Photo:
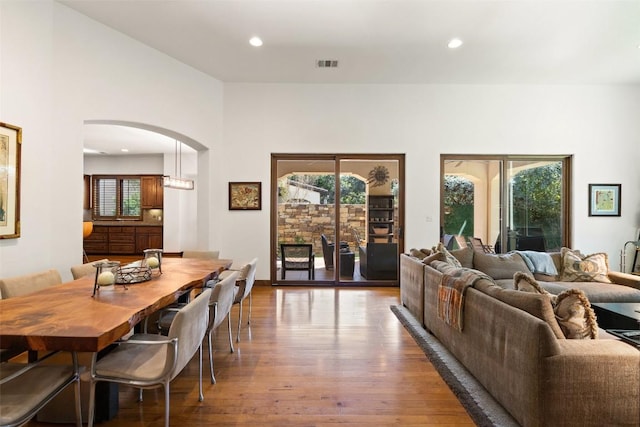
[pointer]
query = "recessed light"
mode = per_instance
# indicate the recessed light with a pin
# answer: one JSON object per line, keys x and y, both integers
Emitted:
{"x": 124, "y": 150}
{"x": 255, "y": 41}
{"x": 454, "y": 43}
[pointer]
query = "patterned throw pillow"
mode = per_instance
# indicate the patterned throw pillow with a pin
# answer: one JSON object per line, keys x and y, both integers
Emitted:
{"x": 579, "y": 268}
{"x": 575, "y": 315}
{"x": 573, "y": 312}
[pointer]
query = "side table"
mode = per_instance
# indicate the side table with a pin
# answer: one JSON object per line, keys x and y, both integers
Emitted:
{"x": 347, "y": 263}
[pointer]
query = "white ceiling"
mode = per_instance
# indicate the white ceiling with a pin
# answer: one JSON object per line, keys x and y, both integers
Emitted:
{"x": 385, "y": 42}
{"x": 392, "y": 41}
{"x": 106, "y": 139}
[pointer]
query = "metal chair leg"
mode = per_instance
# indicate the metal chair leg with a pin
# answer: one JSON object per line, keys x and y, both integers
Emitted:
{"x": 239, "y": 321}
{"x": 230, "y": 334}
{"x": 209, "y": 339}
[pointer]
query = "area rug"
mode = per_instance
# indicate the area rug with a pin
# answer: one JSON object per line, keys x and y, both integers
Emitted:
{"x": 478, "y": 403}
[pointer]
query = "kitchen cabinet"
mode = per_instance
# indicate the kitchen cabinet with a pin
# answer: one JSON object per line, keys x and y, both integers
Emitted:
{"x": 152, "y": 190}
{"x": 149, "y": 237}
{"x": 98, "y": 240}
{"x": 123, "y": 240}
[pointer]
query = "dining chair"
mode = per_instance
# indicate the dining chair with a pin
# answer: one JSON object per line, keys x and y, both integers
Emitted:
{"x": 242, "y": 290}
{"x": 220, "y": 304}
{"x": 25, "y": 388}
{"x": 78, "y": 271}
{"x": 297, "y": 256}
{"x": 151, "y": 360}
{"x": 29, "y": 283}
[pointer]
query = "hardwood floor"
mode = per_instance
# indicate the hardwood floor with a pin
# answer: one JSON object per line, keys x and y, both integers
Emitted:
{"x": 311, "y": 357}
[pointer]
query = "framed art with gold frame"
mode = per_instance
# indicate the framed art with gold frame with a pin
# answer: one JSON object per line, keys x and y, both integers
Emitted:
{"x": 245, "y": 196}
{"x": 10, "y": 156}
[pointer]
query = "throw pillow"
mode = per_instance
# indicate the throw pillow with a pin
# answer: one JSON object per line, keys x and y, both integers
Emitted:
{"x": 575, "y": 315}
{"x": 526, "y": 283}
{"x": 417, "y": 253}
{"x": 502, "y": 266}
{"x": 436, "y": 256}
{"x": 579, "y": 268}
{"x": 465, "y": 256}
{"x": 448, "y": 258}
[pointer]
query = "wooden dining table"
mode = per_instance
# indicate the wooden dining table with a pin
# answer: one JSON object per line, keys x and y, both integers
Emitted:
{"x": 69, "y": 317}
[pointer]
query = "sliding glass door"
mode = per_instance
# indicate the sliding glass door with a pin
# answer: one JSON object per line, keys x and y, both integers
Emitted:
{"x": 333, "y": 203}
{"x": 508, "y": 202}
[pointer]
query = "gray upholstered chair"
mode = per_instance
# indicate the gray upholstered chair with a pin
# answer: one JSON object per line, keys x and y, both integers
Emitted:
{"x": 27, "y": 388}
{"x": 22, "y": 285}
{"x": 244, "y": 285}
{"x": 150, "y": 361}
{"x": 220, "y": 305}
{"x": 78, "y": 271}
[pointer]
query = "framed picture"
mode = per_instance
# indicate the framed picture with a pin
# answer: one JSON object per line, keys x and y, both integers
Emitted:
{"x": 10, "y": 149}
{"x": 245, "y": 196}
{"x": 604, "y": 199}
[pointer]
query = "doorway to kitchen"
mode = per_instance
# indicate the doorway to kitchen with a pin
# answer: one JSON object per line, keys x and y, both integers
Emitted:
{"x": 336, "y": 219}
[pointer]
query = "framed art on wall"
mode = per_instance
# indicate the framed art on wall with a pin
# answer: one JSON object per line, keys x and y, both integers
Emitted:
{"x": 10, "y": 152}
{"x": 245, "y": 196}
{"x": 604, "y": 199}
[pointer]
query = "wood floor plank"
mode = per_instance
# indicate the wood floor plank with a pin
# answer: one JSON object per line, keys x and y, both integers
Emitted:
{"x": 321, "y": 357}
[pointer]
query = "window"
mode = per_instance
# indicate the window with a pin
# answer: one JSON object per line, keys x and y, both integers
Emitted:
{"x": 509, "y": 202}
{"x": 116, "y": 197}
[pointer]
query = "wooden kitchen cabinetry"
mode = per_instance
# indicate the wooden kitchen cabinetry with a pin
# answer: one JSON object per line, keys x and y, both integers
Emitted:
{"x": 152, "y": 191}
{"x": 149, "y": 237}
{"x": 98, "y": 240}
{"x": 123, "y": 240}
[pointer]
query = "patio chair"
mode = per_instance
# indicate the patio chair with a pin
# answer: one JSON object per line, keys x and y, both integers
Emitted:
{"x": 328, "y": 250}
{"x": 478, "y": 246}
{"x": 297, "y": 257}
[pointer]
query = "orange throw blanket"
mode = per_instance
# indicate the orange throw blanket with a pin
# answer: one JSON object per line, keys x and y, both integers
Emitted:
{"x": 451, "y": 292}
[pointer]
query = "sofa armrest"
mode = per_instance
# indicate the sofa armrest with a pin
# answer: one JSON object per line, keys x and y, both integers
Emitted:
{"x": 601, "y": 377}
{"x": 625, "y": 279}
{"x": 412, "y": 285}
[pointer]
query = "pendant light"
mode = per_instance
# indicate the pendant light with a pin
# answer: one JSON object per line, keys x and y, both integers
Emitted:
{"x": 177, "y": 181}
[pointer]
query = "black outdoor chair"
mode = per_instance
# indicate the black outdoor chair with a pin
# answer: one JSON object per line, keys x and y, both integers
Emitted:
{"x": 298, "y": 257}
{"x": 328, "y": 249}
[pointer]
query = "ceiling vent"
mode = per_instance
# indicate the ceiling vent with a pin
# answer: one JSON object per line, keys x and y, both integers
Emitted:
{"x": 327, "y": 63}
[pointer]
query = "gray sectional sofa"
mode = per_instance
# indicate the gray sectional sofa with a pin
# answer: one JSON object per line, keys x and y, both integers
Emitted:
{"x": 512, "y": 345}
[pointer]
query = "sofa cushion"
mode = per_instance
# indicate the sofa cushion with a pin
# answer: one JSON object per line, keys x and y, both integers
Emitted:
{"x": 535, "y": 304}
{"x": 596, "y": 291}
{"x": 448, "y": 258}
{"x": 464, "y": 256}
{"x": 417, "y": 253}
{"x": 579, "y": 268}
{"x": 502, "y": 266}
{"x": 575, "y": 315}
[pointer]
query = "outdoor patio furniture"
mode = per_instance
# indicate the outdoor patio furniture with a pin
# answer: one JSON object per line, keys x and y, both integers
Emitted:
{"x": 298, "y": 257}
{"x": 328, "y": 250}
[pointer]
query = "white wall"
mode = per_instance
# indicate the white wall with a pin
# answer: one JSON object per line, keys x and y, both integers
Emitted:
{"x": 152, "y": 164}
{"x": 598, "y": 125}
{"x": 58, "y": 69}
{"x": 65, "y": 69}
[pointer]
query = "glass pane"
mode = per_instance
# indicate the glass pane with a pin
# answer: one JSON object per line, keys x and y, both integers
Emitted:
{"x": 306, "y": 213}
{"x": 534, "y": 208}
{"x": 130, "y": 195}
{"x": 471, "y": 202}
{"x": 105, "y": 197}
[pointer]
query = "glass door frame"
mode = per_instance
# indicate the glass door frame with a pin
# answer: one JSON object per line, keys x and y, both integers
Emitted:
{"x": 505, "y": 160}
{"x": 336, "y": 158}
